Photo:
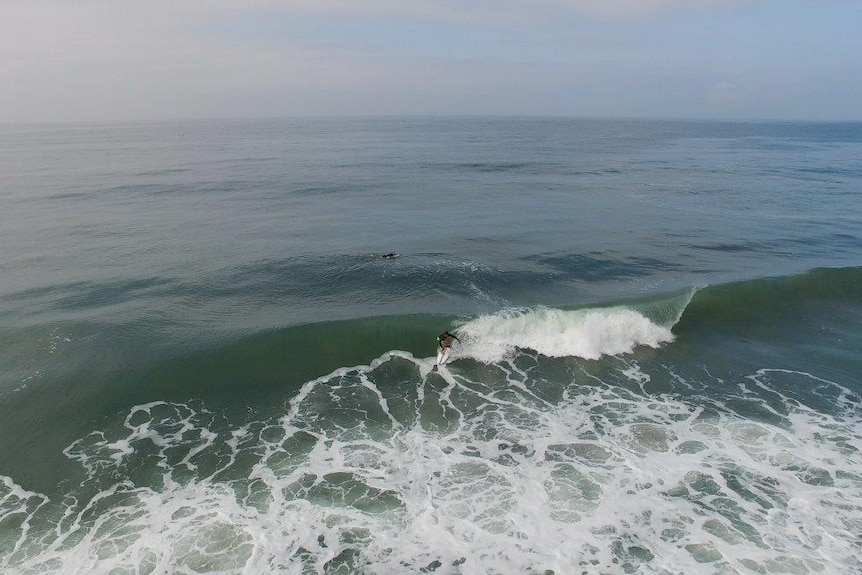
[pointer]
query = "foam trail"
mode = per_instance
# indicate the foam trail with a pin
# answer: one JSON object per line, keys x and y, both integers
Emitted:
{"x": 464, "y": 472}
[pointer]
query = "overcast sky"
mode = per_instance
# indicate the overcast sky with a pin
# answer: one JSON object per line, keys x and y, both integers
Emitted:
{"x": 84, "y": 60}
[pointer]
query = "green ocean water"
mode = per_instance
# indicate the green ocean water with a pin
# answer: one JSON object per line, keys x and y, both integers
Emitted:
{"x": 205, "y": 369}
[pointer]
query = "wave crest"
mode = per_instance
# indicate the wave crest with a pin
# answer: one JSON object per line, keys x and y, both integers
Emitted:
{"x": 586, "y": 333}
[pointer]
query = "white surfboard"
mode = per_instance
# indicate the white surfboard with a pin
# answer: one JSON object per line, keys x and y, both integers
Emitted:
{"x": 442, "y": 356}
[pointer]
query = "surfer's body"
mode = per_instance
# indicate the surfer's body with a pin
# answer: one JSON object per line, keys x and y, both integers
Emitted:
{"x": 445, "y": 340}
{"x": 444, "y": 343}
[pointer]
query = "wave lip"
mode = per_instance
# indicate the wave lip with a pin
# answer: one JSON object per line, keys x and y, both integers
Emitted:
{"x": 585, "y": 333}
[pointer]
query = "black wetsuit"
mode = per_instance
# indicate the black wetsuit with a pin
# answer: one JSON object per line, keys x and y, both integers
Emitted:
{"x": 444, "y": 340}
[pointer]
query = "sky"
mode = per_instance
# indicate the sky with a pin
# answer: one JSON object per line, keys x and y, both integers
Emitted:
{"x": 128, "y": 60}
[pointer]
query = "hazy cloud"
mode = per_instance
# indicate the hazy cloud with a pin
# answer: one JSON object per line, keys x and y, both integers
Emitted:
{"x": 104, "y": 59}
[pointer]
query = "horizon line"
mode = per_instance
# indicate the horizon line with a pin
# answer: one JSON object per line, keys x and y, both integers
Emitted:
{"x": 453, "y": 116}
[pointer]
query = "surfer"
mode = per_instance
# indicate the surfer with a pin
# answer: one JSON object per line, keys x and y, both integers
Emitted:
{"x": 444, "y": 340}
{"x": 389, "y": 256}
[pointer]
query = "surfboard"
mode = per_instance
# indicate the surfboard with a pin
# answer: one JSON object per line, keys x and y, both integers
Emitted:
{"x": 442, "y": 356}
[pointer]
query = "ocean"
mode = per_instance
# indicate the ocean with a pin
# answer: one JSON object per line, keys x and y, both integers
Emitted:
{"x": 206, "y": 367}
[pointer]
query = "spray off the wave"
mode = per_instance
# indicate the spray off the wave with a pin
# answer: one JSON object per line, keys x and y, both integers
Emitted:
{"x": 587, "y": 334}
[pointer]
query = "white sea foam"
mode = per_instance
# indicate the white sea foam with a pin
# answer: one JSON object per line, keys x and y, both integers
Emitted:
{"x": 458, "y": 473}
{"x": 587, "y": 333}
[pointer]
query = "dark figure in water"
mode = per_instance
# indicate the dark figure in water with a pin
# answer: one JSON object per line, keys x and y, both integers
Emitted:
{"x": 444, "y": 340}
{"x": 389, "y": 256}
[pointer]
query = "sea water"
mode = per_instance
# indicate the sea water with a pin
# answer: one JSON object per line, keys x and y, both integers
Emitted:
{"x": 205, "y": 369}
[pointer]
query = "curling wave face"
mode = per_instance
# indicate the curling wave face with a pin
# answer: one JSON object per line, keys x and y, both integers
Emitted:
{"x": 531, "y": 464}
{"x": 556, "y": 441}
